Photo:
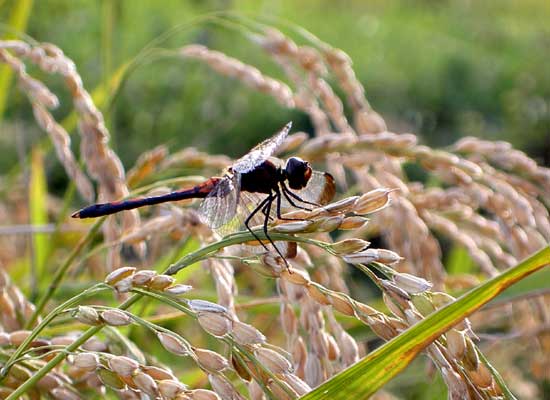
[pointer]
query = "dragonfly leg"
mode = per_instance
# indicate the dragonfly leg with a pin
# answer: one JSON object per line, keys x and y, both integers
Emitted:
{"x": 278, "y": 194}
{"x": 287, "y": 192}
{"x": 260, "y": 206}
{"x": 292, "y": 203}
{"x": 264, "y": 212}
{"x": 266, "y": 220}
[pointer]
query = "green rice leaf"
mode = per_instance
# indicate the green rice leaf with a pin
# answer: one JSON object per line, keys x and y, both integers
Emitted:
{"x": 459, "y": 261}
{"x": 38, "y": 193}
{"x": 18, "y": 22}
{"x": 372, "y": 372}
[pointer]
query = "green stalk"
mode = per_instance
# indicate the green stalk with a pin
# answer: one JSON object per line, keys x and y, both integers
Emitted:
{"x": 236, "y": 238}
{"x": 175, "y": 304}
{"x": 60, "y": 273}
{"x": 29, "y": 383}
{"x": 55, "y": 312}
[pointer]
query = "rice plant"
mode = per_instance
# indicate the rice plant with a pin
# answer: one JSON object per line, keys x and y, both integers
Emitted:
{"x": 153, "y": 303}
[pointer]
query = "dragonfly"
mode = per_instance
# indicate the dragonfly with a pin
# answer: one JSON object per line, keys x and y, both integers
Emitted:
{"x": 256, "y": 187}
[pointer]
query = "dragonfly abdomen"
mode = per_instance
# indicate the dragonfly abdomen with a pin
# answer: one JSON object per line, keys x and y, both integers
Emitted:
{"x": 101, "y": 209}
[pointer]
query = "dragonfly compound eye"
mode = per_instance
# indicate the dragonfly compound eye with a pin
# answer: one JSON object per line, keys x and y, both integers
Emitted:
{"x": 298, "y": 173}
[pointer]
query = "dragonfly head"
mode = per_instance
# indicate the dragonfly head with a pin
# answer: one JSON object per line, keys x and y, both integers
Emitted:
{"x": 298, "y": 173}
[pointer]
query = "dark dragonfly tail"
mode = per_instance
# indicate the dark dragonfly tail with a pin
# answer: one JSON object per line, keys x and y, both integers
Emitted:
{"x": 101, "y": 209}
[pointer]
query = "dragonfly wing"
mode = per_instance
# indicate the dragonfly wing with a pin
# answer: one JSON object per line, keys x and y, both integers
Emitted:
{"x": 320, "y": 189}
{"x": 218, "y": 210}
{"x": 261, "y": 152}
{"x": 249, "y": 202}
{"x": 226, "y": 209}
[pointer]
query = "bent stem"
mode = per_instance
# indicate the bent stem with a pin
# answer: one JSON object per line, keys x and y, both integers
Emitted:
{"x": 60, "y": 273}
{"x": 175, "y": 303}
{"x": 29, "y": 383}
{"x": 238, "y": 238}
{"x": 55, "y": 312}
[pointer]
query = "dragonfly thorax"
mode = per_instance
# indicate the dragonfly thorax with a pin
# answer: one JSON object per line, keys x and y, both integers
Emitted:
{"x": 264, "y": 178}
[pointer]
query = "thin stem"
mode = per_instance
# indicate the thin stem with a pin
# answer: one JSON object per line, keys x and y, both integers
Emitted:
{"x": 60, "y": 273}
{"x": 241, "y": 359}
{"x": 55, "y": 312}
{"x": 388, "y": 272}
{"x": 168, "y": 300}
{"x": 240, "y": 237}
{"x": 365, "y": 269}
{"x": 237, "y": 238}
{"x": 40, "y": 352}
{"x": 174, "y": 303}
{"x": 149, "y": 325}
{"x": 29, "y": 383}
{"x": 507, "y": 392}
{"x": 274, "y": 377}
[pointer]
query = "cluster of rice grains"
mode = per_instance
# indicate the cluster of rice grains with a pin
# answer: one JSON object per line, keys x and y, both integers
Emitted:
{"x": 102, "y": 163}
{"x": 491, "y": 202}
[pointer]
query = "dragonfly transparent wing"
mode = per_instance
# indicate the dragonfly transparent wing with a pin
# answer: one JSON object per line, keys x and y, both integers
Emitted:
{"x": 225, "y": 210}
{"x": 249, "y": 202}
{"x": 261, "y": 152}
{"x": 218, "y": 210}
{"x": 320, "y": 189}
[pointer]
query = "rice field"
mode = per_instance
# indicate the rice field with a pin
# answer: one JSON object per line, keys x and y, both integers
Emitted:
{"x": 391, "y": 288}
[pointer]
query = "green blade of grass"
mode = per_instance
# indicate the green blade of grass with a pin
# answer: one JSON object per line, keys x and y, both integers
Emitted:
{"x": 18, "y": 23}
{"x": 38, "y": 211}
{"x": 371, "y": 373}
{"x": 459, "y": 261}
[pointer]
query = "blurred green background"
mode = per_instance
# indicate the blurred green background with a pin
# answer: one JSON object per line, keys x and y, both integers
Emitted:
{"x": 440, "y": 69}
